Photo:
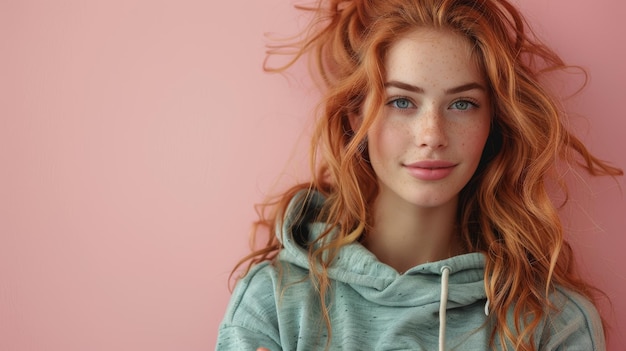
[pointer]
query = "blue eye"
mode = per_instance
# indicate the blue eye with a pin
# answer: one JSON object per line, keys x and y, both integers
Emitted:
{"x": 401, "y": 103}
{"x": 463, "y": 105}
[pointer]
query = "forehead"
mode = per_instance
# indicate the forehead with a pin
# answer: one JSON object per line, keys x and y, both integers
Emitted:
{"x": 431, "y": 55}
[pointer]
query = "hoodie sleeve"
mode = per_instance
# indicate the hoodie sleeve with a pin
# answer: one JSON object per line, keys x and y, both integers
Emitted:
{"x": 251, "y": 320}
{"x": 577, "y": 327}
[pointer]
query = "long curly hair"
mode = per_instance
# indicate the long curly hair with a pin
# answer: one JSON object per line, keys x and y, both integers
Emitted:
{"x": 505, "y": 210}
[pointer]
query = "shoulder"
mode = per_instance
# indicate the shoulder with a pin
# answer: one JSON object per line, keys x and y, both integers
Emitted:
{"x": 256, "y": 311}
{"x": 257, "y": 295}
{"x": 258, "y": 284}
{"x": 250, "y": 320}
{"x": 575, "y": 325}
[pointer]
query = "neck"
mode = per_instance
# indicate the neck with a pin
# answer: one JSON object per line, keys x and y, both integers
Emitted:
{"x": 404, "y": 236}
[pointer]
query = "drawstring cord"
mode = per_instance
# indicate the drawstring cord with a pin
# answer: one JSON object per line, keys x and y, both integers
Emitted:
{"x": 443, "y": 304}
{"x": 443, "y": 307}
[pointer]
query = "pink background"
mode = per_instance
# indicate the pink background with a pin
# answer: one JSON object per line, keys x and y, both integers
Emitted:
{"x": 136, "y": 135}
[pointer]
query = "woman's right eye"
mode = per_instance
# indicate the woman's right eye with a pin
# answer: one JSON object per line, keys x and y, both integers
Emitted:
{"x": 401, "y": 103}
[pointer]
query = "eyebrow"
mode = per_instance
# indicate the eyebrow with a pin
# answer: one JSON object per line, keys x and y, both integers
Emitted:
{"x": 416, "y": 89}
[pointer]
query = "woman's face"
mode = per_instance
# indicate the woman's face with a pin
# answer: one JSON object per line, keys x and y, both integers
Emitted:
{"x": 427, "y": 143}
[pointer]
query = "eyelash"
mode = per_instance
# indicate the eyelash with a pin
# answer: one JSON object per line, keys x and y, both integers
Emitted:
{"x": 473, "y": 103}
{"x": 394, "y": 101}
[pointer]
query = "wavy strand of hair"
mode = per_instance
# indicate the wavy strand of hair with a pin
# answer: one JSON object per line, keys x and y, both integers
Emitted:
{"x": 505, "y": 211}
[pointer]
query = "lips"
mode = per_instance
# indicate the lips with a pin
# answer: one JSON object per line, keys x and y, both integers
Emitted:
{"x": 430, "y": 170}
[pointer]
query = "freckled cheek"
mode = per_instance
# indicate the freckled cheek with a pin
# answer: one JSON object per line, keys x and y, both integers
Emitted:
{"x": 473, "y": 138}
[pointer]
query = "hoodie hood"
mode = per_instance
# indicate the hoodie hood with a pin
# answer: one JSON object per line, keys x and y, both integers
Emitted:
{"x": 372, "y": 279}
{"x": 433, "y": 306}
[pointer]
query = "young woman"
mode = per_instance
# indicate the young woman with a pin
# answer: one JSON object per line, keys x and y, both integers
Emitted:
{"x": 426, "y": 223}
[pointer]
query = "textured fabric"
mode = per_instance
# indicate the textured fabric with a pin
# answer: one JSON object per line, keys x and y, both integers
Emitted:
{"x": 373, "y": 307}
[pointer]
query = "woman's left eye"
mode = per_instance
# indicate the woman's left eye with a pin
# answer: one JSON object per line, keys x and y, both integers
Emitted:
{"x": 463, "y": 105}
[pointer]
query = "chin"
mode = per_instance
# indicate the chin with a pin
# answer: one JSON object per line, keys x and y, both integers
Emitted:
{"x": 431, "y": 201}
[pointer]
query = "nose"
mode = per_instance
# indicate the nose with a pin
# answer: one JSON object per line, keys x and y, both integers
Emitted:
{"x": 431, "y": 130}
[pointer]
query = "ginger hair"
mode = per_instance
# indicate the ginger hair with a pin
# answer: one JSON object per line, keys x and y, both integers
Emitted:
{"x": 505, "y": 210}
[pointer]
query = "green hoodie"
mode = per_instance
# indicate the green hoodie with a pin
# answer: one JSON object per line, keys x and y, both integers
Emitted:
{"x": 373, "y": 307}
